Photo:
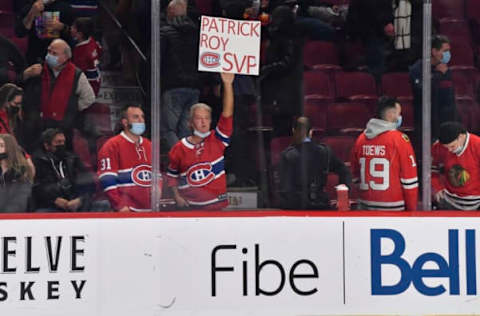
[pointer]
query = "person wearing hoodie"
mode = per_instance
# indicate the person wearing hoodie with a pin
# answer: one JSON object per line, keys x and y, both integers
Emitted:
{"x": 180, "y": 78}
{"x": 383, "y": 162}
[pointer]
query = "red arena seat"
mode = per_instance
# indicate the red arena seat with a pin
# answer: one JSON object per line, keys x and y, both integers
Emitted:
{"x": 397, "y": 85}
{"x": 347, "y": 118}
{"x": 448, "y": 9}
{"x": 321, "y": 55}
{"x": 317, "y": 85}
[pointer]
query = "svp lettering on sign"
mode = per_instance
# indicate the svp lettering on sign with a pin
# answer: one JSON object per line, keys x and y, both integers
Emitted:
{"x": 229, "y": 46}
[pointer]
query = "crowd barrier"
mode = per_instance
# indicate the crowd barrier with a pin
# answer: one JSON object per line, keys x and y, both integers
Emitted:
{"x": 239, "y": 263}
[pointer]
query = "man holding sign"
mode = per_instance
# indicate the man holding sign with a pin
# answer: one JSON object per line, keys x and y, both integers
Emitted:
{"x": 196, "y": 169}
{"x": 231, "y": 46}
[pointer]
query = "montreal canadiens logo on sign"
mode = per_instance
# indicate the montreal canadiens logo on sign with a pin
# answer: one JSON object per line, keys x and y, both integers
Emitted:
{"x": 200, "y": 174}
{"x": 142, "y": 175}
{"x": 210, "y": 60}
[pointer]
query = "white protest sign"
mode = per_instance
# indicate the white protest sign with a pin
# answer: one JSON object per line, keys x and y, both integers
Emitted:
{"x": 229, "y": 46}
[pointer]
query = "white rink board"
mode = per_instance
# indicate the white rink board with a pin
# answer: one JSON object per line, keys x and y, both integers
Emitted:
{"x": 166, "y": 266}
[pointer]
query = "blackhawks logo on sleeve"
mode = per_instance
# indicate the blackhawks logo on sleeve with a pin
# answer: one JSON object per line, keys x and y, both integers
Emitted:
{"x": 458, "y": 176}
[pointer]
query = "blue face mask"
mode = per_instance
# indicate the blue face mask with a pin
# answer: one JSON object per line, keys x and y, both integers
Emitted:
{"x": 52, "y": 61}
{"x": 446, "y": 57}
{"x": 399, "y": 121}
{"x": 200, "y": 134}
{"x": 137, "y": 128}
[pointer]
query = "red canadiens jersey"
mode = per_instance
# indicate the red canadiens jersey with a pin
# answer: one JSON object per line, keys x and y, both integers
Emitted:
{"x": 86, "y": 57}
{"x": 461, "y": 173}
{"x": 198, "y": 170}
{"x": 125, "y": 172}
{"x": 386, "y": 170}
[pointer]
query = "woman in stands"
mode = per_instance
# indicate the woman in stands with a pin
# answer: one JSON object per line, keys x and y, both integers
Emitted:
{"x": 11, "y": 114}
{"x": 16, "y": 176}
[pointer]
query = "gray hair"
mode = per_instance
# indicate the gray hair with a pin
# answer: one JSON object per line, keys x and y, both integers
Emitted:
{"x": 199, "y": 106}
{"x": 67, "y": 50}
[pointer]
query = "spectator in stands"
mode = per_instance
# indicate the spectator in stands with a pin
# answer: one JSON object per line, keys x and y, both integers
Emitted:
{"x": 196, "y": 165}
{"x": 180, "y": 78}
{"x": 327, "y": 12}
{"x": 313, "y": 27}
{"x": 192, "y": 10}
{"x": 62, "y": 184}
{"x": 312, "y": 19}
{"x": 304, "y": 167}
{"x": 456, "y": 169}
{"x": 55, "y": 93}
{"x": 12, "y": 62}
{"x": 11, "y": 113}
{"x": 87, "y": 51}
{"x": 408, "y": 40}
{"x": 16, "y": 176}
{"x": 125, "y": 164}
{"x": 443, "y": 106}
{"x": 371, "y": 21}
{"x": 43, "y": 21}
{"x": 282, "y": 73}
{"x": 383, "y": 162}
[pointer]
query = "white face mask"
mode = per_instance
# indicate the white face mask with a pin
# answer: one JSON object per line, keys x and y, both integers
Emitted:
{"x": 458, "y": 150}
{"x": 200, "y": 134}
{"x": 399, "y": 121}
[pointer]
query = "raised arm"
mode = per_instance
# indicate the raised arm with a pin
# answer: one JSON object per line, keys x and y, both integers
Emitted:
{"x": 227, "y": 80}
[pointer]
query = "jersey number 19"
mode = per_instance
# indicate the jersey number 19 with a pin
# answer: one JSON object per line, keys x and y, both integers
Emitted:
{"x": 377, "y": 168}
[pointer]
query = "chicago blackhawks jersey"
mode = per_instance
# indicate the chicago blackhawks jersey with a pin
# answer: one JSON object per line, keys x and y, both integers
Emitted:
{"x": 197, "y": 170}
{"x": 86, "y": 57}
{"x": 461, "y": 173}
{"x": 125, "y": 172}
{"x": 385, "y": 168}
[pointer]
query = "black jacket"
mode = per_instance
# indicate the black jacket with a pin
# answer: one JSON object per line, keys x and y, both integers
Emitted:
{"x": 50, "y": 185}
{"x": 14, "y": 192}
{"x": 282, "y": 73}
{"x": 303, "y": 175}
{"x": 443, "y": 98}
{"x": 179, "y": 45}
